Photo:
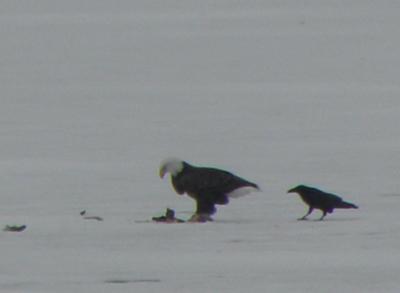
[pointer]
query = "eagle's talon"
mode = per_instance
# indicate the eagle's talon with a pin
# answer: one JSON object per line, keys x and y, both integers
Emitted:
{"x": 200, "y": 218}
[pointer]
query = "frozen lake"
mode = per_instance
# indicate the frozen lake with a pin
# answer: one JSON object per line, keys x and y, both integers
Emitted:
{"x": 94, "y": 94}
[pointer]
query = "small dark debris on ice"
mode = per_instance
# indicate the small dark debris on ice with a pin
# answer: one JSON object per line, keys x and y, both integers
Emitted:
{"x": 14, "y": 228}
{"x": 124, "y": 281}
{"x": 93, "y": 218}
{"x": 84, "y": 216}
{"x": 169, "y": 218}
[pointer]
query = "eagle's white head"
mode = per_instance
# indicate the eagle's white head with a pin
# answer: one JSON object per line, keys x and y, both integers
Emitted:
{"x": 172, "y": 166}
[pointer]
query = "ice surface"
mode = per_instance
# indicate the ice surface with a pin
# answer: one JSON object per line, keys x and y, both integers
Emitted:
{"x": 94, "y": 94}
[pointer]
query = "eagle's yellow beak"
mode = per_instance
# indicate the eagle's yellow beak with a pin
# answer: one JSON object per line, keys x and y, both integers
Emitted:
{"x": 162, "y": 172}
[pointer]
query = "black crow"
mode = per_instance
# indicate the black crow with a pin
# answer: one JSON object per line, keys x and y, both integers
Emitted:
{"x": 318, "y": 199}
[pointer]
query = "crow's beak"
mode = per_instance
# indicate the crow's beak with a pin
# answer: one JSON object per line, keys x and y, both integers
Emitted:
{"x": 291, "y": 190}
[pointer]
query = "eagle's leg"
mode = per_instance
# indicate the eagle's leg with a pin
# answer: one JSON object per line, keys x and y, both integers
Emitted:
{"x": 200, "y": 218}
{"x": 310, "y": 209}
{"x": 323, "y": 215}
{"x": 205, "y": 208}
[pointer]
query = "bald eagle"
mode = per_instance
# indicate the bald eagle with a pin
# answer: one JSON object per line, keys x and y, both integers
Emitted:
{"x": 318, "y": 199}
{"x": 207, "y": 186}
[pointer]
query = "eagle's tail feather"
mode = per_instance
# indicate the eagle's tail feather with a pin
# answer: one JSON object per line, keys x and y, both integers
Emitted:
{"x": 242, "y": 191}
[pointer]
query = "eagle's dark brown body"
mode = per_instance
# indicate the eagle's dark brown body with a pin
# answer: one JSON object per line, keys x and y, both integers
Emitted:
{"x": 208, "y": 186}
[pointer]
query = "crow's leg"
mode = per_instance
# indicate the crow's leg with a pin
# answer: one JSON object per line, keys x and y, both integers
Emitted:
{"x": 323, "y": 215}
{"x": 310, "y": 209}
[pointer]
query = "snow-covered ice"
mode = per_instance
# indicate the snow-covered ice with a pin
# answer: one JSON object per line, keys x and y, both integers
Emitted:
{"x": 94, "y": 94}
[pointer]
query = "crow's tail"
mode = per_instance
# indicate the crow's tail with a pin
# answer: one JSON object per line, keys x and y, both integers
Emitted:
{"x": 346, "y": 205}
